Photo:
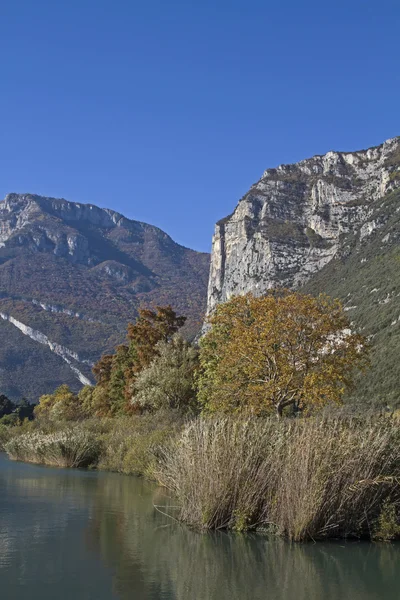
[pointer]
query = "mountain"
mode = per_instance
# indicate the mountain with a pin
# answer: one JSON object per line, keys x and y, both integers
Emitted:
{"x": 326, "y": 224}
{"x": 71, "y": 277}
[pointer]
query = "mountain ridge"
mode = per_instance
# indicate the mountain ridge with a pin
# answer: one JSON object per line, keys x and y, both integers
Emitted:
{"x": 74, "y": 274}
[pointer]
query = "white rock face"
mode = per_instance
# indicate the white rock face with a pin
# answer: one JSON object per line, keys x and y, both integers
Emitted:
{"x": 66, "y": 354}
{"x": 288, "y": 226}
{"x": 60, "y": 310}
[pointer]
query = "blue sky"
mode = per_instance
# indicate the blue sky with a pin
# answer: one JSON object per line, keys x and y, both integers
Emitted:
{"x": 167, "y": 111}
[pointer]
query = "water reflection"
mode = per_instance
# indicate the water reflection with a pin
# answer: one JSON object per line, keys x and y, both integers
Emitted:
{"x": 97, "y": 535}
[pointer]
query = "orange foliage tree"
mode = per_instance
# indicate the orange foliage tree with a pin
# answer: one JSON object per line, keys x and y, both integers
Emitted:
{"x": 116, "y": 373}
{"x": 281, "y": 350}
{"x": 150, "y": 328}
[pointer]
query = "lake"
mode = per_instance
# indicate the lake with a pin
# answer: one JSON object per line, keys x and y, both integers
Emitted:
{"x": 86, "y": 535}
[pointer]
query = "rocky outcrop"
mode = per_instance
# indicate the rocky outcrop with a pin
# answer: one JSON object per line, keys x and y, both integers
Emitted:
{"x": 291, "y": 222}
{"x": 62, "y": 311}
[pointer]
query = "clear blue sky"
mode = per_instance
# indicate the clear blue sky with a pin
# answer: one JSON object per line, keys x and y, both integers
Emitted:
{"x": 167, "y": 111}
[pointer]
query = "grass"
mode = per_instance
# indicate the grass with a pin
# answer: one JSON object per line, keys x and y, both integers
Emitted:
{"x": 66, "y": 448}
{"x": 307, "y": 479}
{"x": 128, "y": 445}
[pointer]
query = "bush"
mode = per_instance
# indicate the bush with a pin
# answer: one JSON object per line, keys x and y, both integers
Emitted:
{"x": 11, "y": 420}
{"x": 387, "y": 527}
{"x": 5, "y": 435}
{"x": 304, "y": 479}
{"x": 132, "y": 445}
{"x": 62, "y": 405}
{"x": 65, "y": 448}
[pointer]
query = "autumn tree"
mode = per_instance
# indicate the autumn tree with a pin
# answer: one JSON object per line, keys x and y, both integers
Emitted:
{"x": 281, "y": 350}
{"x": 62, "y": 405}
{"x": 102, "y": 369}
{"x": 116, "y": 373}
{"x": 150, "y": 328}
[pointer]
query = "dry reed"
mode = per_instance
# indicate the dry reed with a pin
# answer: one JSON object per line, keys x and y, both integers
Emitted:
{"x": 305, "y": 479}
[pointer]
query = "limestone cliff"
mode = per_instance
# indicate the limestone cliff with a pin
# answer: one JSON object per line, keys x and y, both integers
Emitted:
{"x": 291, "y": 222}
{"x": 327, "y": 224}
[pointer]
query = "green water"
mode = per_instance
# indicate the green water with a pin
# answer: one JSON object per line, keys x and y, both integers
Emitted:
{"x": 77, "y": 535}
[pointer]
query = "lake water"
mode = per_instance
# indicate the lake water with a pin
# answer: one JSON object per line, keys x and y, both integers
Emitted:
{"x": 79, "y": 535}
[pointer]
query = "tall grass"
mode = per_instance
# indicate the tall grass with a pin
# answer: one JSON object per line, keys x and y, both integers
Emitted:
{"x": 65, "y": 448}
{"x": 132, "y": 444}
{"x": 305, "y": 479}
{"x": 4, "y": 436}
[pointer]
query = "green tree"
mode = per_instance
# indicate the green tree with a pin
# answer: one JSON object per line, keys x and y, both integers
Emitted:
{"x": 6, "y": 406}
{"x": 281, "y": 350}
{"x": 169, "y": 380}
{"x": 62, "y": 405}
{"x": 24, "y": 409}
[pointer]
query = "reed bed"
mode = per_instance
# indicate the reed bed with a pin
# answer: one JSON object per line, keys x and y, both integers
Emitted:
{"x": 304, "y": 479}
{"x": 65, "y": 448}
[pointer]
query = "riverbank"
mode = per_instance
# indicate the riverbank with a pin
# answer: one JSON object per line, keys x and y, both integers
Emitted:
{"x": 303, "y": 479}
{"x": 73, "y": 533}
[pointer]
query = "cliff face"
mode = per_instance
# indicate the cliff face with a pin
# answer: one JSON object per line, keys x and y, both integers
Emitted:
{"x": 291, "y": 222}
{"x": 71, "y": 277}
{"x": 327, "y": 224}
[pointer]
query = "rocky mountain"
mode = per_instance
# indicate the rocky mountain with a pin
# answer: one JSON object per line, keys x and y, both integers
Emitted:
{"x": 71, "y": 277}
{"x": 329, "y": 223}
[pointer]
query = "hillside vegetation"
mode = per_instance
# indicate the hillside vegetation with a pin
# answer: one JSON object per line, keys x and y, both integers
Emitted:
{"x": 77, "y": 274}
{"x": 366, "y": 277}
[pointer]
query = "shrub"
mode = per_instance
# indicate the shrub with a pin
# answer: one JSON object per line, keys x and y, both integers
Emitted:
{"x": 62, "y": 405}
{"x": 387, "y": 527}
{"x": 5, "y": 435}
{"x": 132, "y": 445}
{"x": 10, "y": 420}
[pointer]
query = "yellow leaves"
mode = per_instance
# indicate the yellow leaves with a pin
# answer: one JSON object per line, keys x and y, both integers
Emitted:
{"x": 280, "y": 350}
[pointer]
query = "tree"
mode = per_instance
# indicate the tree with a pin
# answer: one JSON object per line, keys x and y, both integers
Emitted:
{"x": 24, "y": 410}
{"x": 150, "y": 328}
{"x": 12, "y": 413}
{"x": 6, "y": 406}
{"x": 116, "y": 373}
{"x": 169, "y": 380}
{"x": 102, "y": 369}
{"x": 62, "y": 405}
{"x": 278, "y": 351}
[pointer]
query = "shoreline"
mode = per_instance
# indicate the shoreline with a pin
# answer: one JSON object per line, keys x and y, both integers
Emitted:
{"x": 304, "y": 480}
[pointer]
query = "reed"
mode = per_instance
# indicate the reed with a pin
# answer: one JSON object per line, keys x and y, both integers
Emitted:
{"x": 65, "y": 448}
{"x": 304, "y": 479}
